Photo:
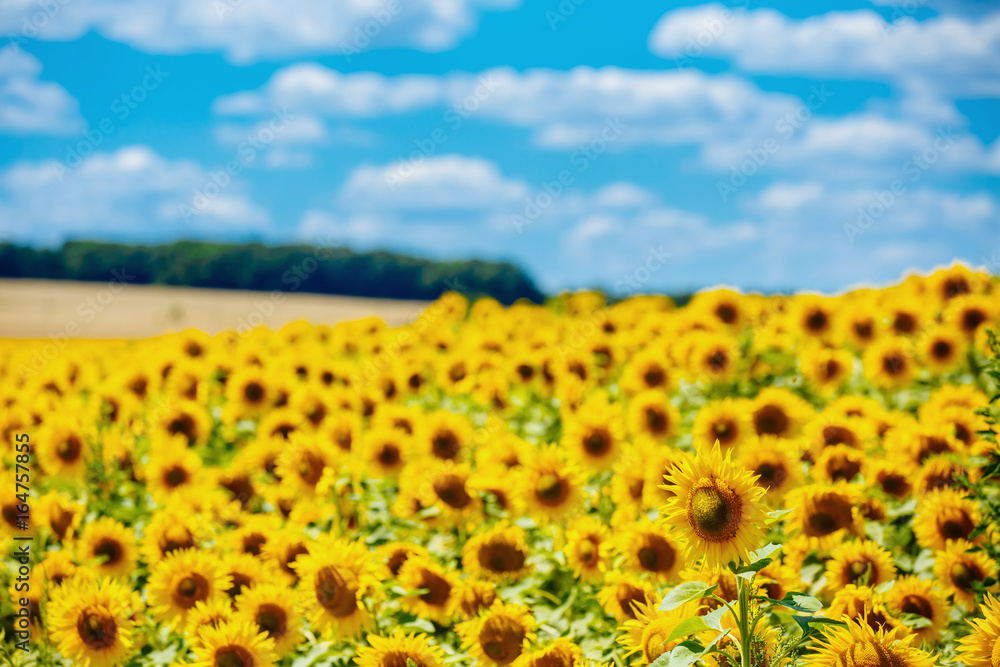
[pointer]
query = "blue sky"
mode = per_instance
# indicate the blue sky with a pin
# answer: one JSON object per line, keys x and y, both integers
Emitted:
{"x": 767, "y": 146}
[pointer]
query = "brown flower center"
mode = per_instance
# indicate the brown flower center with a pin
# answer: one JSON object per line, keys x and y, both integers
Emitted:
{"x": 97, "y": 628}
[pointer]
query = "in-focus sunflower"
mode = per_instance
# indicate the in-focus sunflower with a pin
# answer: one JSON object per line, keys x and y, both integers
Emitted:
{"x": 726, "y": 421}
{"x": 90, "y": 621}
{"x": 858, "y": 645}
{"x": 588, "y": 548}
{"x": 500, "y": 635}
{"x": 181, "y": 580}
{"x": 399, "y": 650}
{"x": 979, "y": 649}
{"x": 272, "y": 610}
{"x": 911, "y": 595}
{"x": 959, "y": 569}
{"x": 647, "y": 549}
{"x": 716, "y": 508}
{"x": 111, "y": 544}
{"x": 500, "y": 553}
{"x": 333, "y": 580}
{"x": 236, "y": 643}
{"x": 862, "y": 563}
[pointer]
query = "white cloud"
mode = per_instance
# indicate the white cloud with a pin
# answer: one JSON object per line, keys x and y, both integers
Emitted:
{"x": 250, "y": 30}
{"x": 446, "y": 182}
{"x": 789, "y": 196}
{"x": 960, "y": 55}
{"x": 132, "y": 193}
{"x": 623, "y": 195}
{"x": 29, "y": 105}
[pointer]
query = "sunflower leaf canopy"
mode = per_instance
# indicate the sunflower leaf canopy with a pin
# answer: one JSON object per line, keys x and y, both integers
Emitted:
{"x": 686, "y": 592}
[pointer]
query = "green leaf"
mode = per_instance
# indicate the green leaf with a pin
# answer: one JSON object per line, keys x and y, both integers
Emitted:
{"x": 774, "y": 515}
{"x": 915, "y": 621}
{"x": 797, "y": 601}
{"x": 686, "y": 653}
{"x": 684, "y": 593}
{"x": 418, "y": 625}
{"x": 714, "y": 619}
{"x": 688, "y": 626}
{"x": 764, "y": 552}
{"x": 884, "y": 587}
{"x": 807, "y": 622}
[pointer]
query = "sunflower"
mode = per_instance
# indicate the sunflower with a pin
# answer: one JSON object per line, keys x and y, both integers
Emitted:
{"x": 111, "y": 544}
{"x": 776, "y": 471}
{"x": 90, "y": 621}
{"x": 831, "y": 430}
{"x": 839, "y": 462}
{"x": 445, "y": 436}
{"x": 269, "y": 608}
{"x": 56, "y": 512}
{"x": 968, "y": 313}
{"x": 889, "y": 363}
{"x": 500, "y": 635}
{"x": 439, "y": 601}
{"x": 646, "y": 634}
{"x": 858, "y": 645}
{"x": 171, "y": 469}
{"x": 778, "y": 579}
{"x": 952, "y": 282}
{"x": 214, "y": 612}
{"x": 911, "y": 595}
{"x": 943, "y": 516}
{"x": 341, "y": 429}
{"x": 726, "y": 421}
{"x": 850, "y": 602}
{"x": 245, "y": 570}
{"x": 185, "y": 419}
{"x": 862, "y": 562}
{"x": 474, "y": 596}
{"x": 893, "y": 478}
{"x": 248, "y": 394}
{"x": 825, "y": 513}
{"x": 383, "y": 451}
{"x": 285, "y": 547}
{"x": 716, "y": 507}
{"x": 979, "y": 649}
{"x": 593, "y": 437}
{"x": 960, "y": 567}
{"x": 302, "y": 462}
{"x": 588, "y": 548}
{"x": 399, "y": 650}
{"x": 181, "y": 580}
{"x": 333, "y": 580}
{"x": 813, "y": 316}
{"x": 779, "y": 412}
{"x": 623, "y": 593}
{"x": 234, "y": 643}
{"x": 170, "y": 529}
{"x": 827, "y": 369}
{"x": 549, "y": 486}
{"x": 941, "y": 348}
{"x": 62, "y": 450}
{"x": 499, "y": 553}
{"x": 394, "y": 554}
{"x": 648, "y": 369}
{"x": 646, "y": 549}
{"x": 730, "y": 308}
{"x": 560, "y": 653}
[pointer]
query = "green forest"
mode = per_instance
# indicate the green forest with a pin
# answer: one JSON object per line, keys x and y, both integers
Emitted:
{"x": 255, "y": 266}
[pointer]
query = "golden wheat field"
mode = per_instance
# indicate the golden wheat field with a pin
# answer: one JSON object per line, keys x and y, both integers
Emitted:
{"x": 742, "y": 481}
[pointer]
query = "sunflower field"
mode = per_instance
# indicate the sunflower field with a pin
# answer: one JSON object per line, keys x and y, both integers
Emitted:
{"x": 744, "y": 480}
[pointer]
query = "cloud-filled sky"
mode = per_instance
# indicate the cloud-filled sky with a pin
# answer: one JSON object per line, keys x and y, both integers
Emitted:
{"x": 767, "y": 146}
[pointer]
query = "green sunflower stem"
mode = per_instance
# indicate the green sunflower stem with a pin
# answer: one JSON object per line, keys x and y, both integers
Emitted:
{"x": 743, "y": 621}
